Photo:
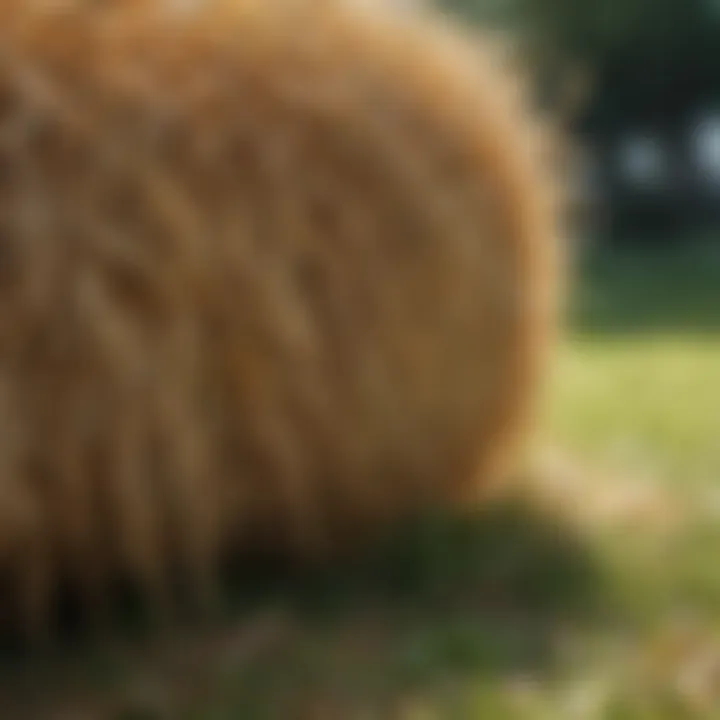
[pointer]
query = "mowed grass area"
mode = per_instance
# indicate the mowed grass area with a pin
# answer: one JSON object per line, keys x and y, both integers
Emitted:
{"x": 597, "y": 596}
{"x": 640, "y": 373}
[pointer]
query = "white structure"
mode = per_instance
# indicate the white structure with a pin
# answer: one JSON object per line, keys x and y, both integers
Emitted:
{"x": 643, "y": 161}
{"x": 705, "y": 149}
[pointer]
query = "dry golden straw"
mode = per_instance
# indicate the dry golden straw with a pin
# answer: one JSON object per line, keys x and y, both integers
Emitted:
{"x": 271, "y": 271}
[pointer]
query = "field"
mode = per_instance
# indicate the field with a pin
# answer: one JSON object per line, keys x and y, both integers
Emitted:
{"x": 597, "y": 597}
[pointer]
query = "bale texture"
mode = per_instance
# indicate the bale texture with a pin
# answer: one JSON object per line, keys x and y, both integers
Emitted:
{"x": 271, "y": 271}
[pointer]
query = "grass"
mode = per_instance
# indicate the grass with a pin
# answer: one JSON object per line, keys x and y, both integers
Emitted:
{"x": 517, "y": 615}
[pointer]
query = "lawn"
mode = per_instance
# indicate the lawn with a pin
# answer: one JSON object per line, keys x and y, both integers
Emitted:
{"x": 598, "y": 598}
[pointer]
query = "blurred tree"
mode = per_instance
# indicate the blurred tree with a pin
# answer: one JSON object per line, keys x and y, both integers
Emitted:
{"x": 653, "y": 68}
{"x": 650, "y": 60}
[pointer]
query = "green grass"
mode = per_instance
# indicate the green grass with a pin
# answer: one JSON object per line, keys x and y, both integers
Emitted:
{"x": 517, "y": 615}
{"x": 640, "y": 374}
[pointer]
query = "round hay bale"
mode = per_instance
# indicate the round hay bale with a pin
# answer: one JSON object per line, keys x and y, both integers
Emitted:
{"x": 271, "y": 271}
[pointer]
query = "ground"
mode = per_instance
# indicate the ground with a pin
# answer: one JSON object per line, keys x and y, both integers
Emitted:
{"x": 595, "y": 597}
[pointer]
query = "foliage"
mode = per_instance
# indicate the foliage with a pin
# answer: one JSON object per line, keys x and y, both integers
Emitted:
{"x": 649, "y": 59}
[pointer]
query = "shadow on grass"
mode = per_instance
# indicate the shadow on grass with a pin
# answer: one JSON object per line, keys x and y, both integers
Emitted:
{"x": 435, "y": 603}
{"x": 651, "y": 289}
